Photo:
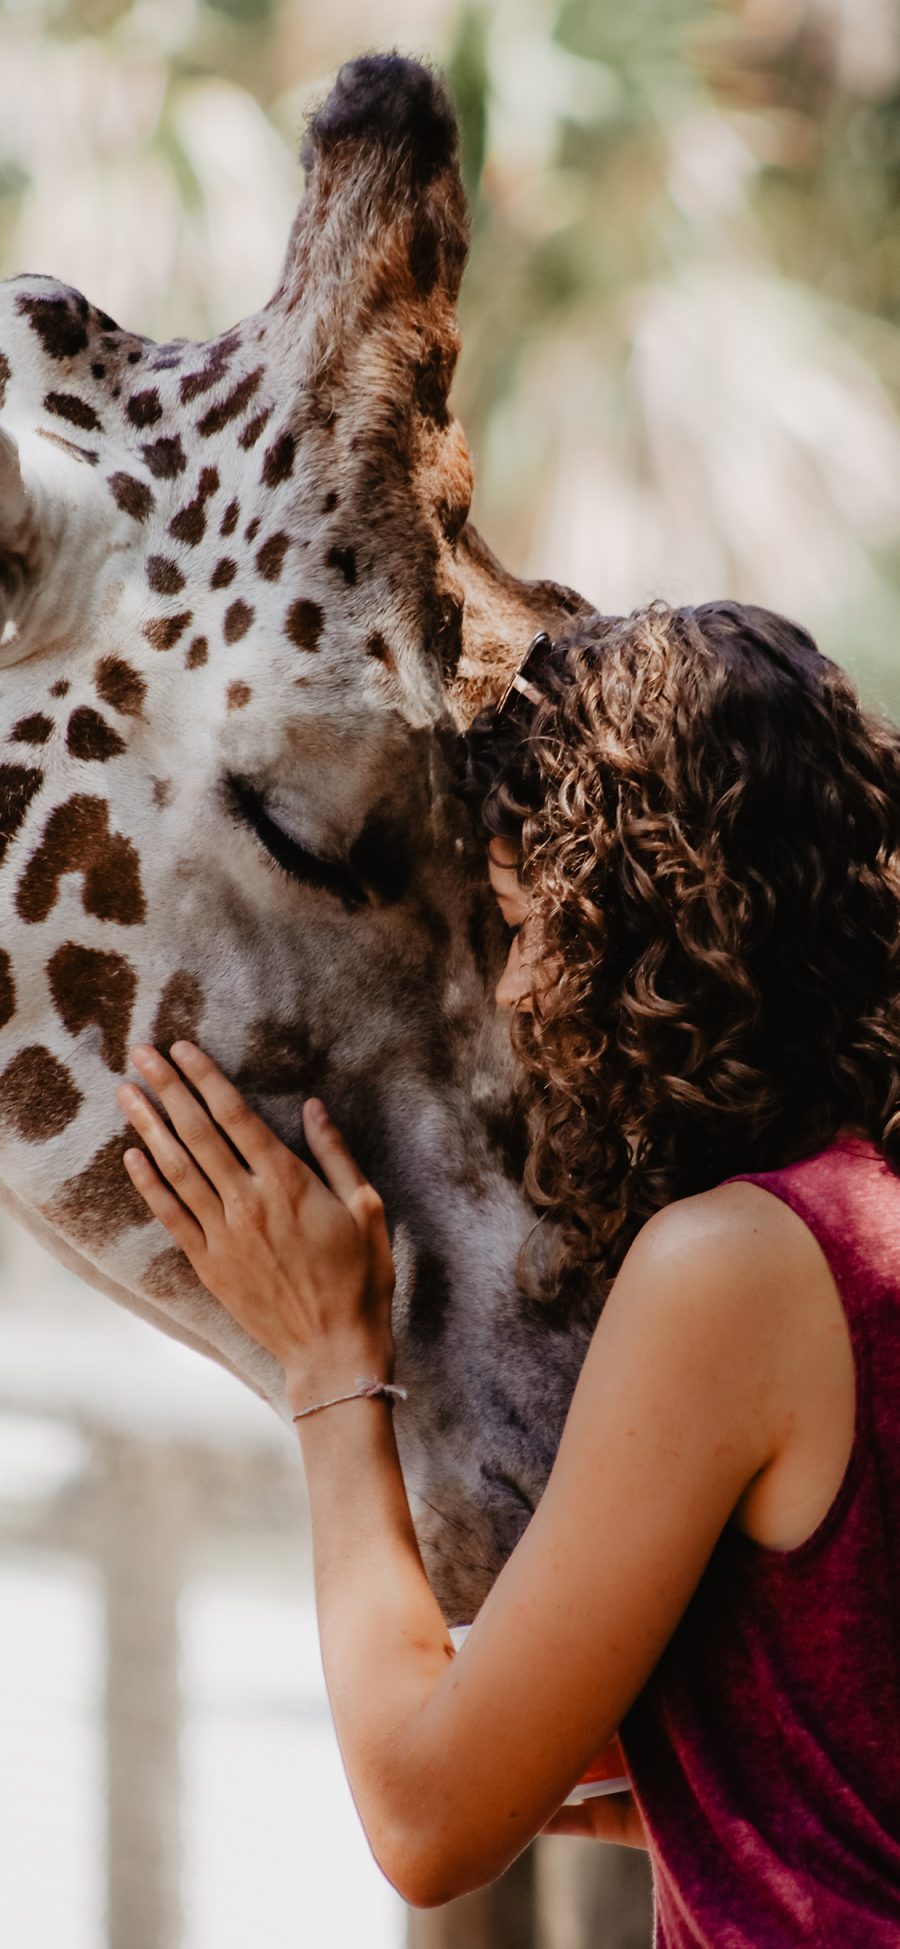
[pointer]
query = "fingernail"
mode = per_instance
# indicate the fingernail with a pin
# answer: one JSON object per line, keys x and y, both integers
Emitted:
{"x": 148, "y": 1059}
{"x": 184, "y": 1052}
{"x": 315, "y": 1109}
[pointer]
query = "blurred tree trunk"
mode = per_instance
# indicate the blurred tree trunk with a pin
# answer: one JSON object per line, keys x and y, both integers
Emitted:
{"x": 143, "y": 1535}
{"x": 560, "y": 1894}
{"x": 590, "y": 1895}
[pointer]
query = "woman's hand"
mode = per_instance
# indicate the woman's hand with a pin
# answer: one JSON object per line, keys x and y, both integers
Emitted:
{"x": 306, "y": 1270}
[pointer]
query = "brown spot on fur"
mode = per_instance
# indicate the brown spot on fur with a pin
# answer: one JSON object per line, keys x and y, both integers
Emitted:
{"x": 120, "y": 686}
{"x": 238, "y": 617}
{"x": 230, "y": 518}
{"x": 507, "y": 1135}
{"x": 169, "y": 1276}
{"x": 7, "y": 989}
{"x": 18, "y": 784}
{"x": 4, "y": 377}
{"x": 165, "y": 458}
{"x": 66, "y": 406}
{"x": 303, "y": 624}
{"x": 453, "y": 516}
{"x": 330, "y": 502}
{"x": 133, "y": 496}
{"x": 98, "y": 369}
{"x": 278, "y": 464}
{"x": 223, "y": 573}
{"x": 165, "y": 577}
{"x": 270, "y": 559}
{"x": 180, "y": 1011}
{"x": 162, "y": 792}
{"x": 90, "y": 738}
{"x": 31, "y": 730}
{"x": 431, "y": 384}
{"x": 77, "y": 839}
{"x": 197, "y": 654}
{"x": 238, "y": 694}
{"x": 424, "y": 258}
{"x": 195, "y": 383}
{"x": 163, "y": 632}
{"x": 430, "y": 1300}
{"x": 170, "y": 356}
{"x": 231, "y": 407}
{"x": 144, "y": 409}
{"x": 61, "y": 327}
{"x": 344, "y": 560}
{"x": 101, "y": 1203}
{"x": 89, "y": 986}
{"x": 254, "y": 428}
{"x": 252, "y": 529}
{"x": 38, "y": 1098}
{"x": 60, "y": 688}
{"x": 280, "y": 1060}
{"x": 377, "y": 647}
{"x": 87, "y": 455}
{"x": 442, "y": 630}
{"x": 189, "y": 524}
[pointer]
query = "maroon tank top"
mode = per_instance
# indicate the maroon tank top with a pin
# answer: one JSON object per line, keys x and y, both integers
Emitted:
{"x": 765, "y": 1750}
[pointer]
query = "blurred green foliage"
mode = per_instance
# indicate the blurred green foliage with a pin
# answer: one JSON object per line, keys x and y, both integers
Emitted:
{"x": 615, "y": 156}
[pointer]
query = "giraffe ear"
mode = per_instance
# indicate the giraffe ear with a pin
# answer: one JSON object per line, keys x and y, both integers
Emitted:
{"x": 384, "y": 215}
{"x": 19, "y": 544}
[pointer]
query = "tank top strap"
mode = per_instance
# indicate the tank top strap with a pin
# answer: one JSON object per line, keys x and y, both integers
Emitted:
{"x": 849, "y": 1198}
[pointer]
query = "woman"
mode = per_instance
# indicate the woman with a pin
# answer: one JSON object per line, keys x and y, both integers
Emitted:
{"x": 694, "y": 838}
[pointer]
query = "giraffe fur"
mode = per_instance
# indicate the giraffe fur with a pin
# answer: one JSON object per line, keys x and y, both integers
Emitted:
{"x": 243, "y": 615}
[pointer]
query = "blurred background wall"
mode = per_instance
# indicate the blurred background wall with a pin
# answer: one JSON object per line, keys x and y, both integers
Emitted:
{"x": 680, "y": 377}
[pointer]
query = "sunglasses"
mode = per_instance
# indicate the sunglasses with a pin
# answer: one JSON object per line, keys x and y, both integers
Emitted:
{"x": 533, "y": 664}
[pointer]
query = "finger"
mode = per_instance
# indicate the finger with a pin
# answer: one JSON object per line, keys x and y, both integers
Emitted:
{"x": 249, "y": 1135}
{"x": 329, "y": 1150}
{"x": 164, "y": 1205}
{"x": 191, "y": 1120}
{"x": 174, "y": 1162}
{"x": 382, "y": 1258}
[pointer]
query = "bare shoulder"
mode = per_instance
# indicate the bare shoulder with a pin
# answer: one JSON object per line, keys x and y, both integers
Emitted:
{"x": 737, "y": 1238}
{"x": 731, "y": 1293}
{"x": 733, "y": 1270}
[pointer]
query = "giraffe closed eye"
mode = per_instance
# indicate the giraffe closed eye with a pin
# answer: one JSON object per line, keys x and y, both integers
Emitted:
{"x": 305, "y": 868}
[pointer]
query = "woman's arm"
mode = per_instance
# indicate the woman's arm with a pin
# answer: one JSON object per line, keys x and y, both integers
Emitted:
{"x": 456, "y": 1762}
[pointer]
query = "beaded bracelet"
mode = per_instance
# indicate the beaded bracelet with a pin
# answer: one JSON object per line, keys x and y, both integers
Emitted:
{"x": 363, "y": 1391}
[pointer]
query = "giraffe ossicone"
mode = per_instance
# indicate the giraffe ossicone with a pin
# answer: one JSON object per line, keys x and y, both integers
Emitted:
{"x": 241, "y": 611}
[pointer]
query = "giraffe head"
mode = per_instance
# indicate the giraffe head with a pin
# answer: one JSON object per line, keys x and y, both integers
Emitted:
{"x": 237, "y": 590}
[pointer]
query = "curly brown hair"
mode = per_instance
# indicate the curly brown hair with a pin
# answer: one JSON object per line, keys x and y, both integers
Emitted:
{"x": 709, "y": 828}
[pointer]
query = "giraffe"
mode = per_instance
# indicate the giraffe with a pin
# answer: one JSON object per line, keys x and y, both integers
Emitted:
{"x": 242, "y": 615}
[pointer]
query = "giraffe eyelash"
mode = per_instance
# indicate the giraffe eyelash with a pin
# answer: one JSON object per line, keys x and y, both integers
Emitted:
{"x": 302, "y": 867}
